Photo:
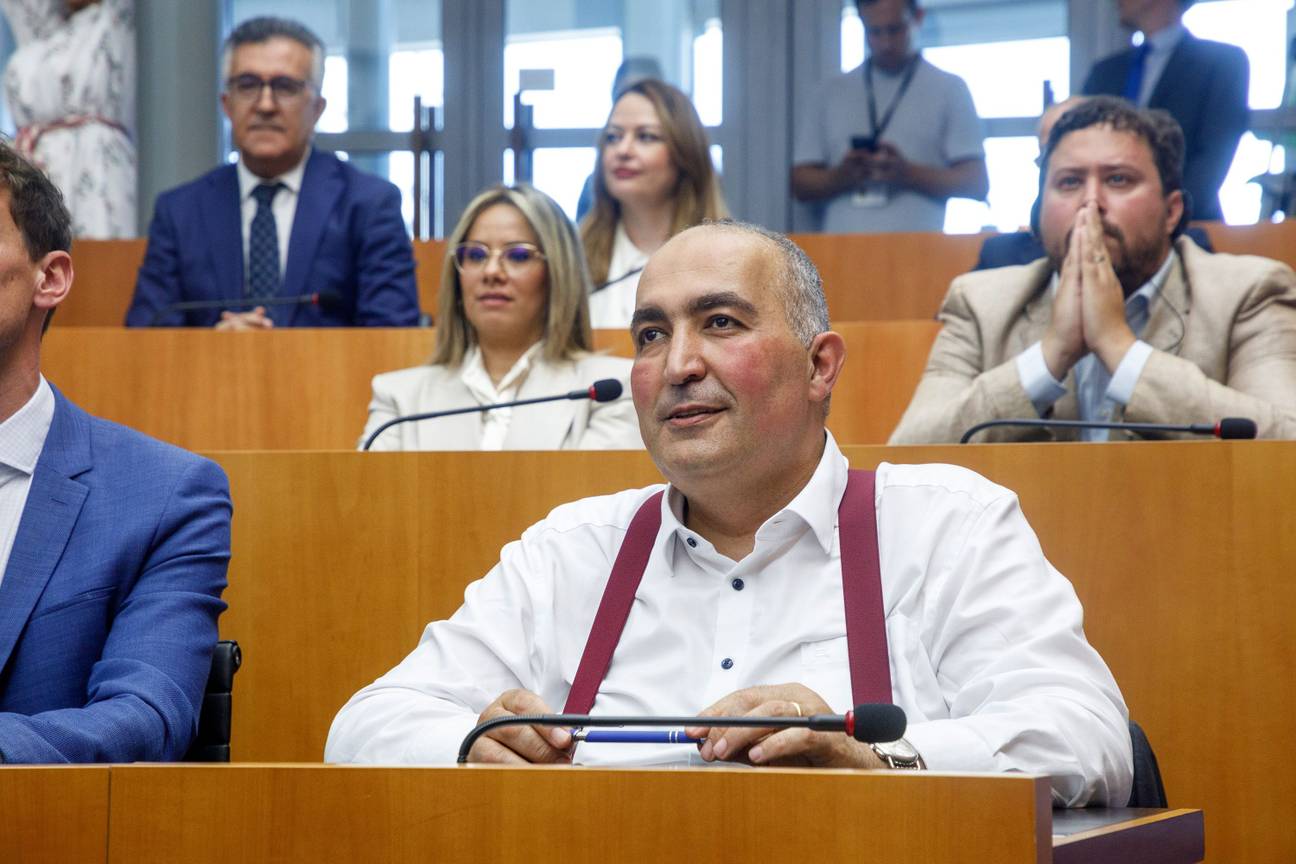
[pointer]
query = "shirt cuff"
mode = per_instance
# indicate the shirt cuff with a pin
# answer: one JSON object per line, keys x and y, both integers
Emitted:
{"x": 1036, "y": 379}
{"x": 948, "y": 745}
{"x": 1121, "y": 388}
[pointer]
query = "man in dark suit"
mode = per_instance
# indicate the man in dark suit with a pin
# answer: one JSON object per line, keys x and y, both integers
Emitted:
{"x": 113, "y": 546}
{"x": 1202, "y": 84}
{"x": 286, "y": 221}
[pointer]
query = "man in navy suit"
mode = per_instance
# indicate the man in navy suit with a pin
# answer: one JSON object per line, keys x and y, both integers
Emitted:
{"x": 286, "y": 221}
{"x": 1202, "y": 84}
{"x": 113, "y": 546}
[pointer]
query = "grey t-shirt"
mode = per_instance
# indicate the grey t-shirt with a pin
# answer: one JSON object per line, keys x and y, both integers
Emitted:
{"x": 935, "y": 123}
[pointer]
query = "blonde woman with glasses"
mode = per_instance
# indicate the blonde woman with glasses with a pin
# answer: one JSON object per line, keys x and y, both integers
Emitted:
{"x": 512, "y": 323}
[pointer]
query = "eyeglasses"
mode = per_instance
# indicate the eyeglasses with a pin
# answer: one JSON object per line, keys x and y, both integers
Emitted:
{"x": 248, "y": 88}
{"x": 515, "y": 258}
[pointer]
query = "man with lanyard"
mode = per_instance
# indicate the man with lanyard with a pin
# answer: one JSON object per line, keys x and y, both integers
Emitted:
{"x": 922, "y": 144}
{"x": 767, "y": 578}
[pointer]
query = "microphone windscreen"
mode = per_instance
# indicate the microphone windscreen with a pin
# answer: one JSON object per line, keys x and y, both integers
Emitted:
{"x": 1237, "y": 427}
{"x": 605, "y": 390}
{"x": 879, "y": 722}
{"x": 329, "y": 301}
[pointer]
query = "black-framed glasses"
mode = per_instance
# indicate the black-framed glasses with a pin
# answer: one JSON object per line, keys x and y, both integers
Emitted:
{"x": 248, "y": 87}
{"x": 472, "y": 257}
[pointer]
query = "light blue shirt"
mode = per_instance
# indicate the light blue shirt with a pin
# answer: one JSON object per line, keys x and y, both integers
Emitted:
{"x": 1098, "y": 393}
{"x": 1161, "y": 45}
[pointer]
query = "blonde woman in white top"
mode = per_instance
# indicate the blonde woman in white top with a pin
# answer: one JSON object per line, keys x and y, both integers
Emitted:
{"x": 512, "y": 323}
{"x": 654, "y": 179}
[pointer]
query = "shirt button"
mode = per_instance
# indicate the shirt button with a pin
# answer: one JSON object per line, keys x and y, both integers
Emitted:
{"x": 691, "y": 542}
{"x": 737, "y": 584}
{"x": 726, "y": 663}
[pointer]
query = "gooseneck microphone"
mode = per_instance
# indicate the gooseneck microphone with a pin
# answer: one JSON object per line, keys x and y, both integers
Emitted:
{"x": 1230, "y": 428}
{"x": 603, "y": 390}
{"x": 624, "y": 276}
{"x": 326, "y": 300}
{"x": 869, "y": 723}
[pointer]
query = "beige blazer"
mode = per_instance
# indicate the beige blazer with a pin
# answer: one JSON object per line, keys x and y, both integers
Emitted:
{"x": 568, "y": 424}
{"x": 1223, "y": 326}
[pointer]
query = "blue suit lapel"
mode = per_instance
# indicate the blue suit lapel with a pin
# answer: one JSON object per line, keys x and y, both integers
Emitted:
{"x": 320, "y": 189}
{"x": 224, "y": 231}
{"x": 53, "y": 505}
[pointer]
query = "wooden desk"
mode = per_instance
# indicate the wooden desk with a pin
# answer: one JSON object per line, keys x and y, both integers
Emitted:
{"x": 309, "y": 389}
{"x": 222, "y": 814}
{"x": 867, "y": 277}
{"x": 1182, "y": 554}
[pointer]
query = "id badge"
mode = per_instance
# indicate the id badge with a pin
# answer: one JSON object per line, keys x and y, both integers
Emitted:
{"x": 871, "y": 196}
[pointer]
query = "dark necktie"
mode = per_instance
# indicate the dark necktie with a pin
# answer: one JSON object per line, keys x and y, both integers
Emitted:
{"x": 263, "y": 245}
{"x": 1134, "y": 79}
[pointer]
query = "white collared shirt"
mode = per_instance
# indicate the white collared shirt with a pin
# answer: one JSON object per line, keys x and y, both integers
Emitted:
{"x": 612, "y": 306}
{"x": 22, "y": 438}
{"x": 495, "y": 424}
{"x": 988, "y": 657}
{"x": 1098, "y": 394}
{"x": 1161, "y": 45}
{"x": 284, "y": 206}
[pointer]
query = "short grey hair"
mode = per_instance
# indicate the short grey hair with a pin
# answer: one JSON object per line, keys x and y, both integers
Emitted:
{"x": 256, "y": 31}
{"x": 801, "y": 287}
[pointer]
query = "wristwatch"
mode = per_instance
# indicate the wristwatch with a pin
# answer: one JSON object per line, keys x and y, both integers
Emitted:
{"x": 899, "y": 755}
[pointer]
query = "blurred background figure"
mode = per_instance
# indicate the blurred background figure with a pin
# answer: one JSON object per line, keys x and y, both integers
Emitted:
{"x": 512, "y": 323}
{"x": 70, "y": 87}
{"x": 884, "y": 146}
{"x": 654, "y": 179}
{"x": 1202, "y": 84}
{"x": 631, "y": 71}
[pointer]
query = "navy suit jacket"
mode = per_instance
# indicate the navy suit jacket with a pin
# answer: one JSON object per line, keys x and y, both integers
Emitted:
{"x": 348, "y": 240}
{"x": 1204, "y": 87}
{"x": 109, "y": 602}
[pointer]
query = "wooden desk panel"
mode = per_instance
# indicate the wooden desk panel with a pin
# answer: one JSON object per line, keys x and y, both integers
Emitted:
{"x": 309, "y": 389}
{"x": 867, "y": 277}
{"x": 1182, "y": 554}
{"x": 54, "y": 814}
{"x": 568, "y": 816}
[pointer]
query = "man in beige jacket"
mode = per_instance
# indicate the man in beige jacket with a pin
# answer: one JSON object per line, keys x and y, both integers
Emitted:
{"x": 1124, "y": 320}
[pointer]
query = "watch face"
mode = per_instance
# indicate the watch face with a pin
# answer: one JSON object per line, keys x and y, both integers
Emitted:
{"x": 900, "y": 750}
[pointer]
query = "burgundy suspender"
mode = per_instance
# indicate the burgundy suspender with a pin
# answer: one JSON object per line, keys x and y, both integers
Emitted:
{"x": 614, "y": 608}
{"x": 866, "y": 643}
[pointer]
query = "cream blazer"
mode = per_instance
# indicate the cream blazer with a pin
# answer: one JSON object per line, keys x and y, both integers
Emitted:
{"x": 569, "y": 424}
{"x": 1223, "y": 328}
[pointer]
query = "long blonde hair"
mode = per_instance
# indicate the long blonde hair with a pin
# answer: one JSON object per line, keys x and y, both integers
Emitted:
{"x": 697, "y": 192}
{"x": 567, "y": 331}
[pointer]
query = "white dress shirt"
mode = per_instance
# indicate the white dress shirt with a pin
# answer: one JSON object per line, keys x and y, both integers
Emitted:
{"x": 611, "y": 307}
{"x": 495, "y": 424}
{"x": 22, "y": 438}
{"x": 1098, "y": 393}
{"x": 284, "y": 206}
{"x": 988, "y": 656}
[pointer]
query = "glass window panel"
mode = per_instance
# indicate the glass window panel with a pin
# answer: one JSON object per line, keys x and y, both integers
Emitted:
{"x": 334, "y": 118}
{"x": 1258, "y": 27}
{"x": 1007, "y": 78}
{"x": 583, "y": 63}
{"x": 708, "y": 73}
{"x": 560, "y": 172}
{"x": 414, "y": 72}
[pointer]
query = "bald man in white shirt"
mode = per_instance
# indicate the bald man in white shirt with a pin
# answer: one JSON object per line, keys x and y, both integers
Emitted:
{"x": 743, "y": 604}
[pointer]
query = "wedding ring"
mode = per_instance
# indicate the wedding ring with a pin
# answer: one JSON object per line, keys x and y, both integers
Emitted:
{"x": 797, "y": 706}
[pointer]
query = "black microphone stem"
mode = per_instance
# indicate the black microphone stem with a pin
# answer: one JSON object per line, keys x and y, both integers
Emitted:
{"x": 413, "y": 418}
{"x": 1082, "y": 424}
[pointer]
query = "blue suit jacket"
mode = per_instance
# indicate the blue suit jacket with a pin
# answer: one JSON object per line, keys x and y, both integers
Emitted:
{"x": 348, "y": 240}
{"x": 109, "y": 602}
{"x": 1204, "y": 87}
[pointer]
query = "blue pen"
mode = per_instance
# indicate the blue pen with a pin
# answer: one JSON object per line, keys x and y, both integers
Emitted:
{"x": 633, "y": 736}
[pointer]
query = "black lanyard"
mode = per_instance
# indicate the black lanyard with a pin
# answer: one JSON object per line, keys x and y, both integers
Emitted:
{"x": 878, "y": 129}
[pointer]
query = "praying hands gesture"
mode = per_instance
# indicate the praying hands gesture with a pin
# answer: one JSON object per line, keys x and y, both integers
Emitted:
{"x": 1089, "y": 308}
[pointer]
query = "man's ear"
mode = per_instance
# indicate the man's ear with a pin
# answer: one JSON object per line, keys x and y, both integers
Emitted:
{"x": 827, "y": 357}
{"x": 54, "y": 280}
{"x": 1176, "y": 208}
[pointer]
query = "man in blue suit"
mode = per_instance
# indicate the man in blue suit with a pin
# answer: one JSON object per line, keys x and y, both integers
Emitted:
{"x": 113, "y": 546}
{"x": 1202, "y": 84}
{"x": 286, "y": 221}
